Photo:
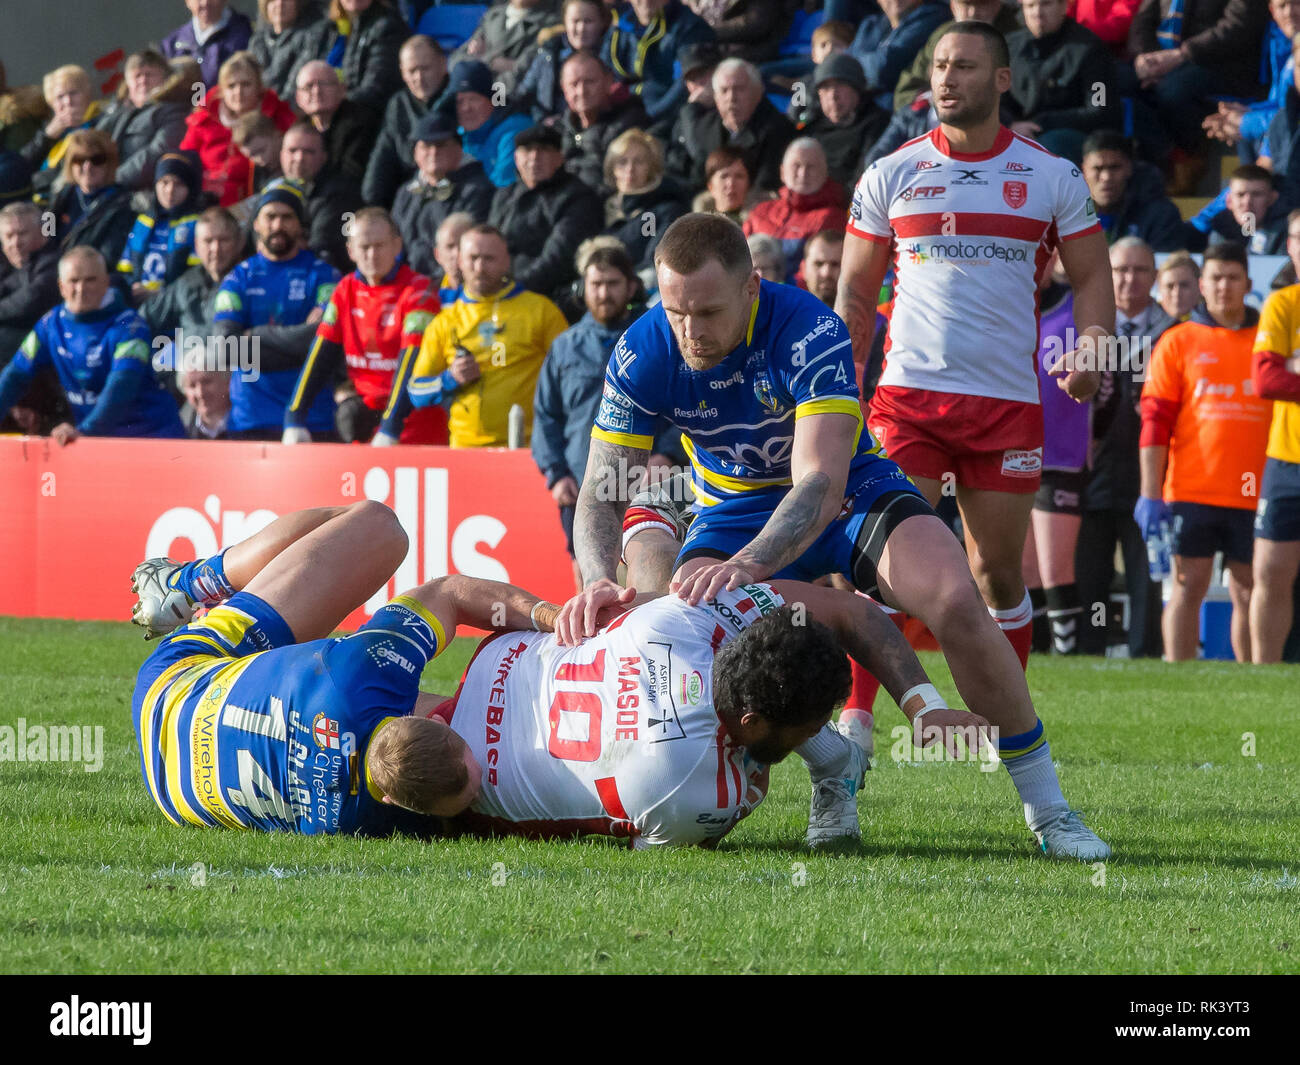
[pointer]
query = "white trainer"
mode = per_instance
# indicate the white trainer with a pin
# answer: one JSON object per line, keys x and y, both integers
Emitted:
{"x": 1069, "y": 837}
{"x": 833, "y": 816}
{"x": 159, "y": 609}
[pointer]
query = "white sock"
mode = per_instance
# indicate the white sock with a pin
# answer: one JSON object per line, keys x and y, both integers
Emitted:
{"x": 826, "y": 754}
{"x": 1035, "y": 779}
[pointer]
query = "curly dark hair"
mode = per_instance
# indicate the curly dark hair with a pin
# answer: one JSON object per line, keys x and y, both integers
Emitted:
{"x": 788, "y": 673}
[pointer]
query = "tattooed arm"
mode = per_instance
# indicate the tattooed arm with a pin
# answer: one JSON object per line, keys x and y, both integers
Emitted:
{"x": 614, "y": 474}
{"x": 819, "y": 466}
{"x": 875, "y": 643}
{"x": 861, "y": 274}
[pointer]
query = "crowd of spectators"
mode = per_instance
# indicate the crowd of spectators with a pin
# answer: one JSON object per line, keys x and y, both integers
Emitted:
{"x": 519, "y": 180}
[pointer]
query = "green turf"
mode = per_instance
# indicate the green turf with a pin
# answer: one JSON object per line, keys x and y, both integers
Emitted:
{"x": 1206, "y": 876}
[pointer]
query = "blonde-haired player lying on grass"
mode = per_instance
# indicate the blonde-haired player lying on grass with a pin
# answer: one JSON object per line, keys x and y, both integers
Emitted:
{"x": 659, "y": 729}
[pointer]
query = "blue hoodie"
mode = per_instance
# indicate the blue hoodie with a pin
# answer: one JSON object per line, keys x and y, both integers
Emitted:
{"x": 105, "y": 366}
{"x": 493, "y": 145}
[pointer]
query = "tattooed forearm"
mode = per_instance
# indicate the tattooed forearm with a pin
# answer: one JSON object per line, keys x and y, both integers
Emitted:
{"x": 859, "y": 313}
{"x": 797, "y": 521}
{"x": 875, "y": 643}
{"x": 614, "y": 473}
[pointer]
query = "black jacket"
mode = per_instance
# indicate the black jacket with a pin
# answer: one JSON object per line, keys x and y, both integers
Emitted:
{"x": 1114, "y": 478}
{"x": 143, "y": 135}
{"x": 188, "y": 304}
{"x": 1268, "y": 238}
{"x": 350, "y": 140}
{"x": 500, "y": 42}
{"x": 392, "y": 160}
{"x": 844, "y": 145}
{"x": 1224, "y": 35}
{"x": 535, "y": 81}
{"x": 419, "y": 212}
{"x": 626, "y": 218}
{"x": 762, "y": 140}
{"x": 1054, "y": 79}
{"x": 105, "y": 226}
{"x": 1146, "y": 212}
{"x": 370, "y": 66}
{"x": 1284, "y": 143}
{"x": 25, "y": 295}
{"x": 584, "y": 149}
{"x": 543, "y": 228}
{"x": 330, "y": 198}
{"x": 283, "y": 54}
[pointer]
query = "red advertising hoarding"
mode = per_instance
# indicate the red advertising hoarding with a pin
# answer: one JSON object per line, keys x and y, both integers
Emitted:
{"x": 75, "y": 521}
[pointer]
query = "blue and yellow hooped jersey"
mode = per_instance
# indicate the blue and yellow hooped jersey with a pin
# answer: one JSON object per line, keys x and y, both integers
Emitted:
{"x": 738, "y": 419}
{"x": 241, "y": 727}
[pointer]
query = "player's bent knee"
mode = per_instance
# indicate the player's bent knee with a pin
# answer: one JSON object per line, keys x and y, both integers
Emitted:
{"x": 382, "y": 531}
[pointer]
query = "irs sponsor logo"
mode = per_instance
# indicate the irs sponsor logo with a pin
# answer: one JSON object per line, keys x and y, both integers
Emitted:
{"x": 927, "y": 164}
{"x": 1017, "y": 168}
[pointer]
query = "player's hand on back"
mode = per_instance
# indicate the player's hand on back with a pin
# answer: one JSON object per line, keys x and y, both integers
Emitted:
{"x": 707, "y": 581}
{"x": 591, "y": 609}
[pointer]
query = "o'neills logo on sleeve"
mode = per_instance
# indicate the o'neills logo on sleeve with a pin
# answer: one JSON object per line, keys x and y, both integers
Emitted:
{"x": 496, "y": 709}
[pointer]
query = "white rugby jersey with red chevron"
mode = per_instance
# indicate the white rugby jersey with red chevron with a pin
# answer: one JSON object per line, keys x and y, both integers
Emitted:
{"x": 617, "y": 736}
{"x": 971, "y": 233}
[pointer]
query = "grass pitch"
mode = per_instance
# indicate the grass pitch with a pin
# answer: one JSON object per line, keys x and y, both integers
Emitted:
{"x": 1205, "y": 878}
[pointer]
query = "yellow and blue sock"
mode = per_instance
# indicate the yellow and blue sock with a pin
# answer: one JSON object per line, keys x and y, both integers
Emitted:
{"x": 1028, "y": 759}
{"x": 203, "y": 580}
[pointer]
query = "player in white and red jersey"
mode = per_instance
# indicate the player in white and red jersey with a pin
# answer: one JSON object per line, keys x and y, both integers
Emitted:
{"x": 968, "y": 215}
{"x": 661, "y": 727}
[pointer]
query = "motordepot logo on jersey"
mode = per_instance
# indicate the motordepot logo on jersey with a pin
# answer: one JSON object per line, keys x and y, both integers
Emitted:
{"x": 74, "y": 1017}
{"x": 968, "y": 253}
{"x": 1109, "y": 354}
{"x": 183, "y": 351}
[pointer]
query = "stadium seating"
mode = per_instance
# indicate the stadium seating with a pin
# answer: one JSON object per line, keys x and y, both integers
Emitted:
{"x": 451, "y": 25}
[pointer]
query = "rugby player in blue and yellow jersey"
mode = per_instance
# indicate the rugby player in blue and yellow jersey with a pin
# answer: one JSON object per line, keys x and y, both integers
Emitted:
{"x": 789, "y": 483}
{"x": 253, "y": 717}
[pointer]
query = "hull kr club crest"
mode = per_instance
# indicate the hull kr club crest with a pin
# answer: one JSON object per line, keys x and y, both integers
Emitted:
{"x": 1015, "y": 193}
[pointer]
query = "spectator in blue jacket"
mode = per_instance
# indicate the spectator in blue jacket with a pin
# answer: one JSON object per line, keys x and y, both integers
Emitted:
{"x": 572, "y": 379}
{"x": 213, "y": 34}
{"x": 1246, "y": 125}
{"x": 887, "y": 43}
{"x": 275, "y": 299}
{"x": 160, "y": 246}
{"x": 642, "y": 46}
{"x": 101, "y": 352}
{"x": 487, "y": 130}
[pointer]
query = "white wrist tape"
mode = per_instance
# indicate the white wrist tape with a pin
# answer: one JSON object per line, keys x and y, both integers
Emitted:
{"x": 930, "y": 697}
